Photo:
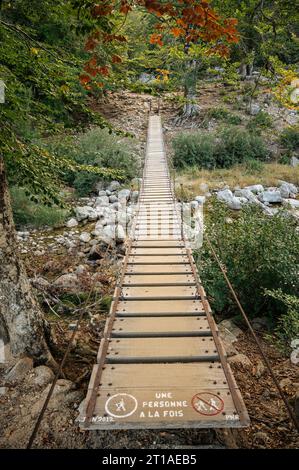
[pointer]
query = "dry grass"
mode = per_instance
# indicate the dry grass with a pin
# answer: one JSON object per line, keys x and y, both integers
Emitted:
{"x": 268, "y": 175}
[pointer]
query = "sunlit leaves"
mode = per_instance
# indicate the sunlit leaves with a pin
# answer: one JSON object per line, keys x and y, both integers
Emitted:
{"x": 156, "y": 39}
{"x": 190, "y": 21}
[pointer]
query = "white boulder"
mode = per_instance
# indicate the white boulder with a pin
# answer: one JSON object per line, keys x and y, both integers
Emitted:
{"x": 270, "y": 196}
{"x": 200, "y": 199}
{"x": 291, "y": 203}
{"x": 255, "y": 188}
{"x": 225, "y": 195}
{"x": 294, "y": 162}
{"x": 247, "y": 194}
{"x": 287, "y": 189}
{"x": 124, "y": 194}
{"x": 233, "y": 202}
{"x": 113, "y": 186}
{"x": 134, "y": 196}
{"x": 71, "y": 223}
{"x": 254, "y": 109}
{"x": 85, "y": 237}
{"x": 236, "y": 203}
{"x": 116, "y": 206}
{"x": 102, "y": 201}
{"x": 113, "y": 198}
{"x": 85, "y": 212}
{"x": 68, "y": 282}
{"x": 112, "y": 233}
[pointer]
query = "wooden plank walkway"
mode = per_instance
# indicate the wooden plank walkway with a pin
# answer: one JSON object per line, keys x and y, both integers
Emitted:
{"x": 161, "y": 363}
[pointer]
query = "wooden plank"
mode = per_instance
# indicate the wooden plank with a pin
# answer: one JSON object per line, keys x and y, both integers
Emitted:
{"x": 159, "y": 227}
{"x": 159, "y": 292}
{"x": 159, "y": 307}
{"x": 165, "y": 251}
{"x": 166, "y": 243}
{"x": 162, "y": 326}
{"x": 175, "y": 259}
{"x": 158, "y": 279}
{"x": 175, "y": 236}
{"x": 183, "y": 395}
{"x": 155, "y": 219}
{"x": 156, "y": 208}
{"x": 154, "y": 214}
{"x": 154, "y": 223}
{"x": 157, "y": 187}
{"x": 154, "y": 233}
{"x": 157, "y": 204}
{"x": 143, "y": 350}
{"x": 163, "y": 375}
{"x": 159, "y": 268}
{"x": 156, "y": 195}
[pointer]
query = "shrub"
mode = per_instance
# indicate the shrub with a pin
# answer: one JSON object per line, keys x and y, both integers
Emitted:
{"x": 260, "y": 120}
{"x": 27, "y": 212}
{"x": 287, "y": 328}
{"x": 84, "y": 183}
{"x": 238, "y": 146}
{"x": 289, "y": 138}
{"x": 223, "y": 114}
{"x": 253, "y": 167}
{"x": 97, "y": 147}
{"x": 232, "y": 146}
{"x": 259, "y": 252}
{"x": 194, "y": 150}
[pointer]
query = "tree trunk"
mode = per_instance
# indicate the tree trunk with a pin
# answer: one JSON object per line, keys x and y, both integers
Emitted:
{"x": 21, "y": 321}
{"x": 243, "y": 70}
{"x": 191, "y": 108}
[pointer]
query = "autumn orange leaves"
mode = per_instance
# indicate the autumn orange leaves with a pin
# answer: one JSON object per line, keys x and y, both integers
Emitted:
{"x": 187, "y": 20}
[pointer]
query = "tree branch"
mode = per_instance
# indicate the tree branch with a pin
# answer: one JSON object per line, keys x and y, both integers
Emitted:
{"x": 25, "y": 36}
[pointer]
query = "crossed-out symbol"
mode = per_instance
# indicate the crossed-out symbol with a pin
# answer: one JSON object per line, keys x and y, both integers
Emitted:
{"x": 207, "y": 404}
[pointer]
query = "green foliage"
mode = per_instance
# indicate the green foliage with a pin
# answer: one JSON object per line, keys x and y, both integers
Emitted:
{"x": 230, "y": 147}
{"x": 31, "y": 214}
{"x": 43, "y": 95}
{"x": 289, "y": 138}
{"x": 223, "y": 114}
{"x": 194, "y": 150}
{"x": 265, "y": 27}
{"x": 155, "y": 87}
{"x": 287, "y": 328}
{"x": 84, "y": 183}
{"x": 238, "y": 146}
{"x": 97, "y": 148}
{"x": 231, "y": 76}
{"x": 105, "y": 303}
{"x": 258, "y": 251}
{"x": 252, "y": 167}
{"x": 261, "y": 120}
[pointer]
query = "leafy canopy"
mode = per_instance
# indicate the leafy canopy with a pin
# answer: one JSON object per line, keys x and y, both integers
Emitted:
{"x": 41, "y": 57}
{"x": 194, "y": 22}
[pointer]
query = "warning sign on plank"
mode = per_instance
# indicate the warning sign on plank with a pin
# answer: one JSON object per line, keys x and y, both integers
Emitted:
{"x": 207, "y": 404}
